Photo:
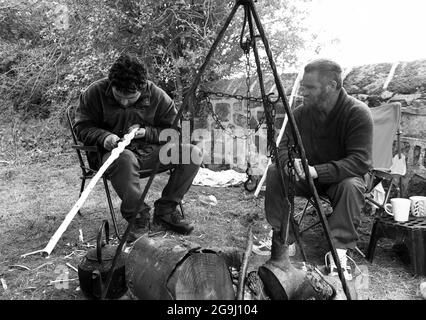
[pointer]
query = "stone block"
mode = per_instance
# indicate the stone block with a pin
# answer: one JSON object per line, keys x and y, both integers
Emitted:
{"x": 222, "y": 110}
{"x": 413, "y": 125}
{"x": 386, "y": 95}
{"x": 410, "y": 77}
{"x": 417, "y": 186}
{"x": 408, "y": 98}
{"x": 367, "y": 78}
{"x": 239, "y": 120}
{"x": 237, "y": 106}
{"x": 419, "y": 104}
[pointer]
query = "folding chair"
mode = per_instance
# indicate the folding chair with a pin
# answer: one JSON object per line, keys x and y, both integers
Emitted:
{"x": 87, "y": 172}
{"x": 386, "y": 119}
{"x": 385, "y": 167}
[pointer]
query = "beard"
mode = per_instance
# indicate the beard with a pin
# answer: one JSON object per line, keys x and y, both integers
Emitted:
{"x": 316, "y": 101}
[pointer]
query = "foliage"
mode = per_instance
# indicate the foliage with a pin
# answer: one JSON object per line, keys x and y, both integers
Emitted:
{"x": 51, "y": 50}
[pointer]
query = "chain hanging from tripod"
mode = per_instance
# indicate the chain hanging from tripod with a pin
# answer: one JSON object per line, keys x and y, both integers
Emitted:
{"x": 269, "y": 106}
{"x": 205, "y": 95}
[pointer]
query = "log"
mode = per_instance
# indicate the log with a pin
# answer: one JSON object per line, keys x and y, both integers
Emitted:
{"x": 167, "y": 269}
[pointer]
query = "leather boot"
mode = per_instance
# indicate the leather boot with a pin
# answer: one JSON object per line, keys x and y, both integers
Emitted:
{"x": 281, "y": 279}
{"x": 141, "y": 224}
{"x": 279, "y": 252}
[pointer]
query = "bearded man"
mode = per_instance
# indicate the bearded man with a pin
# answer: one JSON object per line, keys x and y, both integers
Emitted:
{"x": 336, "y": 132}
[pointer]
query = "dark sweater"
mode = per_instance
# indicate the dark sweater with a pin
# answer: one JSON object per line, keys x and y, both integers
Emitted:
{"x": 99, "y": 115}
{"x": 339, "y": 147}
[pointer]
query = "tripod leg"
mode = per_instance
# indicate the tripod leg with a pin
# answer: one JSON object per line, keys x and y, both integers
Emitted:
{"x": 298, "y": 140}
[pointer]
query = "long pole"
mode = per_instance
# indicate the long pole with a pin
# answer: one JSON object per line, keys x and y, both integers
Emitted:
{"x": 71, "y": 214}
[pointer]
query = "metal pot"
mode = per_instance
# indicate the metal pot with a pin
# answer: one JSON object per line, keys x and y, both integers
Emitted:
{"x": 94, "y": 267}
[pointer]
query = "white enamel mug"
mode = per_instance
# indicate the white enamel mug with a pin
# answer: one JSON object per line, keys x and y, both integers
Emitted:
{"x": 418, "y": 206}
{"x": 399, "y": 208}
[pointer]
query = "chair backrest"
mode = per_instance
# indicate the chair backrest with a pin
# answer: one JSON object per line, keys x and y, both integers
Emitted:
{"x": 70, "y": 117}
{"x": 386, "y": 120}
{"x": 70, "y": 112}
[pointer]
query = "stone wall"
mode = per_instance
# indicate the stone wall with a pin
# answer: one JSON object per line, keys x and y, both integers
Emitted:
{"x": 367, "y": 83}
{"x": 408, "y": 86}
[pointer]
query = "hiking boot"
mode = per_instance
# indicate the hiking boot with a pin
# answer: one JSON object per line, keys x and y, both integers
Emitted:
{"x": 173, "y": 221}
{"x": 331, "y": 265}
{"x": 279, "y": 252}
{"x": 140, "y": 226}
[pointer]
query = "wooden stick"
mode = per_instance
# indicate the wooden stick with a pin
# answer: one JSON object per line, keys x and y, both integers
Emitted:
{"x": 71, "y": 266}
{"x": 3, "y": 283}
{"x": 243, "y": 270}
{"x": 69, "y": 217}
{"x": 62, "y": 280}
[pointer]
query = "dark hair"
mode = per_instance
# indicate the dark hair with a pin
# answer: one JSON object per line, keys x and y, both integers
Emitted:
{"x": 326, "y": 68}
{"x": 128, "y": 74}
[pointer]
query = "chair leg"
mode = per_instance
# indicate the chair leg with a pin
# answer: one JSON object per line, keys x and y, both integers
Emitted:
{"x": 181, "y": 210}
{"x": 111, "y": 208}
{"x": 302, "y": 214}
{"x": 375, "y": 235}
{"x": 83, "y": 182}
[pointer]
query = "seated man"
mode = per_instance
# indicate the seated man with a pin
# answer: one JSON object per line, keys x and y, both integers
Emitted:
{"x": 108, "y": 109}
{"x": 336, "y": 132}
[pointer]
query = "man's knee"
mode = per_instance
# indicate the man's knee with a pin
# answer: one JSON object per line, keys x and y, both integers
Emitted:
{"x": 273, "y": 176}
{"x": 126, "y": 158}
{"x": 352, "y": 185}
{"x": 272, "y": 173}
{"x": 124, "y": 164}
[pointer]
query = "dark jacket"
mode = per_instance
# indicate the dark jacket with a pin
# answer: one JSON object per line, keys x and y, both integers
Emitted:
{"x": 338, "y": 148}
{"x": 99, "y": 115}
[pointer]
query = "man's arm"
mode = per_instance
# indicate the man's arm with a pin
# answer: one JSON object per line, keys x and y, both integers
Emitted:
{"x": 359, "y": 141}
{"x": 88, "y": 117}
{"x": 166, "y": 114}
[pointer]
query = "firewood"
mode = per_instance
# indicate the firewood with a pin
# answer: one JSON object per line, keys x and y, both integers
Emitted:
{"x": 168, "y": 269}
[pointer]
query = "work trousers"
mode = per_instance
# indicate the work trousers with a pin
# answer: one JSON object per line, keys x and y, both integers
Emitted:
{"x": 346, "y": 197}
{"x": 124, "y": 176}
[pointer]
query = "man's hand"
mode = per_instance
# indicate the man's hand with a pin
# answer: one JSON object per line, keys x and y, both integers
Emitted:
{"x": 300, "y": 173}
{"x": 111, "y": 142}
{"x": 140, "y": 133}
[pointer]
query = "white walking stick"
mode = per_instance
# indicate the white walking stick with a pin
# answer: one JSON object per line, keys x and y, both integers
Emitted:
{"x": 114, "y": 155}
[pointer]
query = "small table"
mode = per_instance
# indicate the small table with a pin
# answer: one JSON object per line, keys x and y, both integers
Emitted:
{"x": 412, "y": 232}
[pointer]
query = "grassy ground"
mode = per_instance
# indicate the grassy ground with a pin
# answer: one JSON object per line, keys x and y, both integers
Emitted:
{"x": 36, "y": 197}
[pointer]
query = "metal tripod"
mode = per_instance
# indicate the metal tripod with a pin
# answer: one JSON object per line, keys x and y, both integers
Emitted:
{"x": 253, "y": 20}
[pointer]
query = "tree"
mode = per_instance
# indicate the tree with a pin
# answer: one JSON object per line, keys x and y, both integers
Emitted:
{"x": 173, "y": 37}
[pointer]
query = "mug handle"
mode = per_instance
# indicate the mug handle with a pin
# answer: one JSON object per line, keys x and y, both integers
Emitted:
{"x": 388, "y": 209}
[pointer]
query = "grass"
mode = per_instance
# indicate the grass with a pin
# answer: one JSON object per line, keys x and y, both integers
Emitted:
{"x": 35, "y": 198}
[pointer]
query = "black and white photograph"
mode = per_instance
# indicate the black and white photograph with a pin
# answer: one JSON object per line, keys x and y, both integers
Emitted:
{"x": 214, "y": 157}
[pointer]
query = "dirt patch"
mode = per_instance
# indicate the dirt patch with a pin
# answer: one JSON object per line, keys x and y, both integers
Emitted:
{"x": 36, "y": 198}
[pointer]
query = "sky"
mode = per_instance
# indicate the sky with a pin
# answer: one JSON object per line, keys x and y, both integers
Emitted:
{"x": 370, "y": 31}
